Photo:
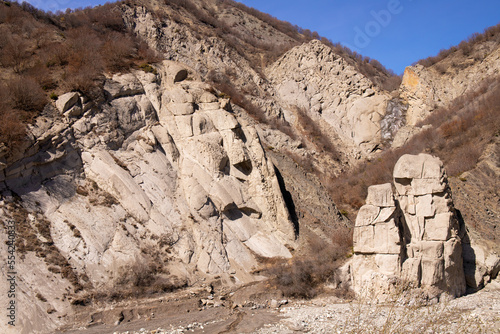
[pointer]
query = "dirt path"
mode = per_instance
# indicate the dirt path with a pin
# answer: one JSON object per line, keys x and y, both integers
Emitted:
{"x": 248, "y": 309}
{"x": 241, "y": 309}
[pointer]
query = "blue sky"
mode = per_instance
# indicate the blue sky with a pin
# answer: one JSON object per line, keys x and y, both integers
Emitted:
{"x": 395, "y": 32}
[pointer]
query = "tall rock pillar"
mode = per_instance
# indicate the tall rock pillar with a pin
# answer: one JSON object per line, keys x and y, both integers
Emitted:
{"x": 433, "y": 247}
{"x": 411, "y": 236}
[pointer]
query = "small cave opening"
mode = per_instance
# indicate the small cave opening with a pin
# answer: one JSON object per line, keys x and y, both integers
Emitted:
{"x": 245, "y": 167}
{"x": 290, "y": 205}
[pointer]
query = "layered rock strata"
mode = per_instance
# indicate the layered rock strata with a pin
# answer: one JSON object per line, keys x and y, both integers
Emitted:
{"x": 159, "y": 179}
{"x": 411, "y": 236}
{"x": 313, "y": 78}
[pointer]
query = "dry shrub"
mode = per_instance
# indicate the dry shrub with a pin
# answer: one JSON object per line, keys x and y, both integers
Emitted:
{"x": 26, "y": 94}
{"x": 141, "y": 278}
{"x": 118, "y": 51}
{"x": 221, "y": 82}
{"x": 56, "y": 53}
{"x": 316, "y": 135}
{"x": 36, "y": 237}
{"x": 40, "y": 73}
{"x": 147, "y": 54}
{"x": 12, "y": 129}
{"x": 14, "y": 52}
{"x": 465, "y": 47}
{"x": 303, "y": 276}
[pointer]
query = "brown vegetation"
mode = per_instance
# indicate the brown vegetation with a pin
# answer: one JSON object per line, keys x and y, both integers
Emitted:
{"x": 35, "y": 236}
{"x": 458, "y": 136}
{"x": 304, "y": 275}
{"x": 466, "y": 48}
{"x": 260, "y": 53}
{"x": 43, "y": 54}
{"x": 314, "y": 133}
{"x": 222, "y": 83}
{"x": 138, "y": 280}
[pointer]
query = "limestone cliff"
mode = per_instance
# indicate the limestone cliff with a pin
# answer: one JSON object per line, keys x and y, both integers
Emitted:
{"x": 313, "y": 78}
{"x": 160, "y": 178}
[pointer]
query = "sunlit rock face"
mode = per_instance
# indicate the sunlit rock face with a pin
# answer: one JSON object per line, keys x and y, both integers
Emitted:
{"x": 411, "y": 236}
{"x": 160, "y": 178}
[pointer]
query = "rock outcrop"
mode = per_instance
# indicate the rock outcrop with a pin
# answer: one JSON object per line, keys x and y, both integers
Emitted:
{"x": 431, "y": 234}
{"x": 426, "y": 89}
{"x": 312, "y": 77}
{"x": 161, "y": 178}
{"x": 411, "y": 236}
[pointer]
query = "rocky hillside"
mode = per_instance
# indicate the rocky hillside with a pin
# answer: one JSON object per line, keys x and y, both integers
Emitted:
{"x": 148, "y": 146}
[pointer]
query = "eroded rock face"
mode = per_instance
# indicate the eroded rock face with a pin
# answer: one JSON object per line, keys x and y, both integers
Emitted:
{"x": 312, "y": 77}
{"x": 431, "y": 233}
{"x": 377, "y": 241}
{"x": 412, "y": 235}
{"x": 161, "y": 175}
{"x": 425, "y": 89}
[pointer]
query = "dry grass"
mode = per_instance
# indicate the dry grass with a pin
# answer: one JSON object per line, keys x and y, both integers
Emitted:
{"x": 304, "y": 275}
{"x": 313, "y": 132}
{"x": 222, "y": 83}
{"x": 36, "y": 237}
{"x": 138, "y": 280}
{"x": 406, "y": 310}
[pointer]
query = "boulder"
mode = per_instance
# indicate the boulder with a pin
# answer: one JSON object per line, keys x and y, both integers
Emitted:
{"x": 67, "y": 101}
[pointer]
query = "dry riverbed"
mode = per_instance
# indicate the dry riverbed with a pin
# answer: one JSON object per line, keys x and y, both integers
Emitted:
{"x": 256, "y": 308}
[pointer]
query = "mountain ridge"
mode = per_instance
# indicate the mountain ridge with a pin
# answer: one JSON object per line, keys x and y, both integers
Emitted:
{"x": 194, "y": 158}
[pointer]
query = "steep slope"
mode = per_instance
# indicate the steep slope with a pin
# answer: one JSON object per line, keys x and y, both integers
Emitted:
{"x": 161, "y": 179}
{"x": 453, "y": 73}
{"x": 146, "y": 176}
{"x": 311, "y": 77}
{"x": 233, "y": 38}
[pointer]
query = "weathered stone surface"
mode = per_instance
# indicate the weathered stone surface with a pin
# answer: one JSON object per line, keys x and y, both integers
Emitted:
{"x": 222, "y": 119}
{"x": 424, "y": 206}
{"x": 313, "y": 78}
{"x": 267, "y": 246}
{"x": 426, "y": 229}
{"x": 130, "y": 182}
{"x": 367, "y": 215}
{"x": 67, "y": 101}
{"x": 123, "y": 85}
{"x": 433, "y": 273}
{"x": 382, "y": 238}
{"x": 380, "y": 195}
{"x": 439, "y": 227}
{"x": 409, "y": 167}
{"x": 180, "y": 108}
{"x": 184, "y": 125}
{"x": 377, "y": 238}
{"x": 174, "y": 72}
